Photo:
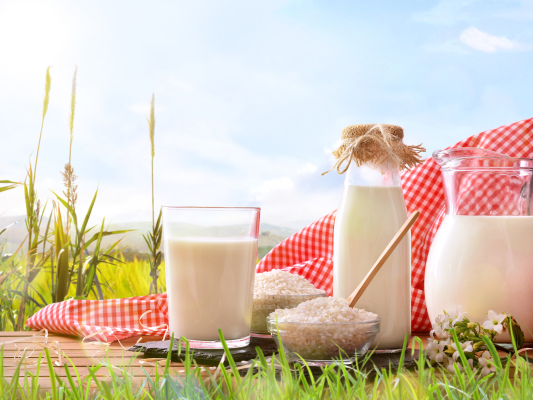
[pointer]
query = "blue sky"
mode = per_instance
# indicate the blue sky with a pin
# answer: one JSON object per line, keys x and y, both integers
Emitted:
{"x": 250, "y": 96}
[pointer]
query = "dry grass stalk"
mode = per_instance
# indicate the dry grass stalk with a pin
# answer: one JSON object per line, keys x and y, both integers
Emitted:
{"x": 46, "y": 100}
{"x": 72, "y": 112}
{"x": 68, "y": 174}
{"x": 33, "y": 220}
{"x": 153, "y": 238}
{"x": 151, "y": 132}
{"x": 69, "y": 179}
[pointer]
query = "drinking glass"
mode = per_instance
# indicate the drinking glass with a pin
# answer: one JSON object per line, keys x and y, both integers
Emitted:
{"x": 210, "y": 257}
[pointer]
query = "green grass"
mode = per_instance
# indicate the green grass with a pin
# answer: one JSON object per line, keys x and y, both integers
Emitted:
{"x": 512, "y": 380}
{"x": 132, "y": 278}
{"x": 128, "y": 279}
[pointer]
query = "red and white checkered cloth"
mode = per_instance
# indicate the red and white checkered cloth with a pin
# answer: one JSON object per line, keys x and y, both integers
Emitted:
{"x": 115, "y": 319}
{"x": 309, "y": 252}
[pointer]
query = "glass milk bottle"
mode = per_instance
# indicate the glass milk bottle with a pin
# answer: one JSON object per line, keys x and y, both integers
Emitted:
{"x": 371, "y": 212}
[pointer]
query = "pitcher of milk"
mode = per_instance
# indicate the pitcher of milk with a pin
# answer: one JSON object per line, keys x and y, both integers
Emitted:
{"x": 482, "y": 255}
{"x": 371, "y": 211}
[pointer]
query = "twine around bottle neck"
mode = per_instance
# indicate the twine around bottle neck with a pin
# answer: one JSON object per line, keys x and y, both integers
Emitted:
{"x": 374, "y": 146}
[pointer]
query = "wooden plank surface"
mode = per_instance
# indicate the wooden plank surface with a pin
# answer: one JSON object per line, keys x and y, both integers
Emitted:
{"x": 83, "y": 356}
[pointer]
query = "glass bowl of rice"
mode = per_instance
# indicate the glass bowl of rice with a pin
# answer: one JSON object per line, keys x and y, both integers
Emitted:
{"x": 276, "y": 289}
{"x": 324, "y": 330}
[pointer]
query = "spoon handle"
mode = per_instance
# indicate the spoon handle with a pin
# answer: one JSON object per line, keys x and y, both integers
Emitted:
{"x": 357, "y": 293}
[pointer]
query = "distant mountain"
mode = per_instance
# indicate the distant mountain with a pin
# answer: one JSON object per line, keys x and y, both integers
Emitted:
{"x": 297, "y": 225}
{"x": 270, "y": 235}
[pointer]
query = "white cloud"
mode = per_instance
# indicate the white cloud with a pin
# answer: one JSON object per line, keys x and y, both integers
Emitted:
{"x": 483, "y": 41}
{"x": 273, "y": 188}
{"x": 307, "y": 169}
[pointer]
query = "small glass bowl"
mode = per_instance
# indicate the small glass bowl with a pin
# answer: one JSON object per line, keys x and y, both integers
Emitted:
{"x": 264, "y": 305}
{"x": 324, "y": 342}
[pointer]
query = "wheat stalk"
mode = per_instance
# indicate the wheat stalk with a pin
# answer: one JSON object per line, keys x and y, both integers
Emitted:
{"x": 153, "y": 239}
{"x": 151, "y": 132}
{"x": 46, "y": 100}
{"x": 72, "y": 112}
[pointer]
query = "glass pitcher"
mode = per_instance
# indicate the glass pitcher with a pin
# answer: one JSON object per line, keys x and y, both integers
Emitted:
{"x": 482, "y": 255}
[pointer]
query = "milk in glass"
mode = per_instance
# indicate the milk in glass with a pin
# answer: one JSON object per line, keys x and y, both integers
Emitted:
{"x": 212, "y": 281}
{"x": 482, "y": 263}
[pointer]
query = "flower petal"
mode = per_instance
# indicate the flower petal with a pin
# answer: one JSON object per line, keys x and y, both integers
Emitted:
{"x": 488, "y": 325}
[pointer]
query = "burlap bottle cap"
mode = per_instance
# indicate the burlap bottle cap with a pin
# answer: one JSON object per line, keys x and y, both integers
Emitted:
{"x": 373, "y": 144}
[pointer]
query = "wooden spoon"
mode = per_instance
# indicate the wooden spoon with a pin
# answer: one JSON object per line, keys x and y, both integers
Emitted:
{"x": 357, "y": 293}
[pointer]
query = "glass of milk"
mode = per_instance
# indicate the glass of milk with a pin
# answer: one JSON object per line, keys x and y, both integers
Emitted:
{"x": 210, "y": 258}
{"x": 482, "y": 255}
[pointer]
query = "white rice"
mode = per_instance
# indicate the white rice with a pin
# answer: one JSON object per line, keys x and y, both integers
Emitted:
{"x": 278, "y": 289}
{"x": 282, "y": 282}
{"x": 317, "y": 328}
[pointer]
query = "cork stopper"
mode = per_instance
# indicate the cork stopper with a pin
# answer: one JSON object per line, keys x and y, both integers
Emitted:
{"x": 373, "y": 144}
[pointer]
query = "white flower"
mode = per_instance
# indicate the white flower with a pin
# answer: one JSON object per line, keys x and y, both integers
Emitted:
{"x": 439, "y": 332}
{"x": 440, "y": 319}
{"x": 442, "y": 322}
{"x": 487, "y": 363}
{"x": 457, "y": 316}
{"x": 435, "y": 350}
{"x": 451, "y": 369}
{"x": 451, "y": 363}
{"x": 466, "y": 346}
{"x": 495, "y": 322}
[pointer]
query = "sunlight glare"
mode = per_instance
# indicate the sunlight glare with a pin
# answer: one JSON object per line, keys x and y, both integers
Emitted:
{"x": 33, "y": 34}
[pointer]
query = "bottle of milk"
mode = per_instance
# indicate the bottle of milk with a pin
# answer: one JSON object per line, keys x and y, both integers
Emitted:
{"x": 371, "y": 212}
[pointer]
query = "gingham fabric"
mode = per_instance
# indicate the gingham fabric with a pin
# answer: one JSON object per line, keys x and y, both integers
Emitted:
{"x": 493, "y": 194}
{"x": 310, "y": 252}
{"x": 114, "y": 319}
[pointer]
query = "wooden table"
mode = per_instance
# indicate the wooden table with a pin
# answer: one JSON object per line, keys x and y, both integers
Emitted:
{"x": 82, "y": 355}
